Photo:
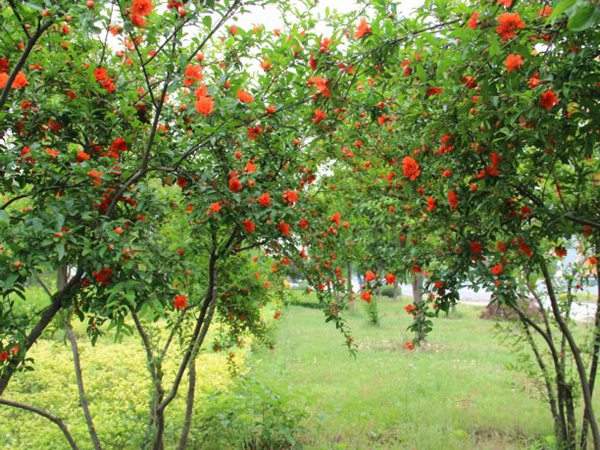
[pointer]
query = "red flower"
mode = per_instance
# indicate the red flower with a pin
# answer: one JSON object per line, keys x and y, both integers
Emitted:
{"x": 505, "y": 3}
{"x": 180, "y": 302}
{"x": 118, "y": 145}
{"x": 545, "y": 11}
{"x": 19, "y": 82}
{"x": 370, "y": 276}
{"x": 101, "y": 76}
{"x": 452, "y": 199}
{"x": 319, "y": 116}
{"x": 325, "y": 44}
{"x": 524, "y": 248}
{"x": 366, "y": 296}
{"x": 363, "y": 29}
{"x": 438, "y": 284}
{"x": 390, "y": 278}
{"x": 508, "y": 24}
{"x": 290, "y": 197}
{"x": 205, "y": 105}
{"x": 321, "y": 84}
{"x": 469, "y": 81}
{"x": 235, "y": 185}
{"x": 410, "y": 308}
{"x": 534, "y": 80}
{"x": 335, "y": 218}
{"x": 182, "y": 182}
{"x": 254, "y": 132}
{"x": 513, "y": 62}
{"x": 303, "y": 223}
{"x": 266, "y": 65}
{"x": 4, "y": 65}
{"x": 473, "y": 20}
{"x": 249, "y": 226}
{"x": 548, "y": 99}
{"x": 284, "y": 228}
{"x": 141, "y": 7}
{"x": 475, "y": 247}
{"x": 410, "y": 168}
{"x": 433, "y": 90}
{"x": 192, "y": 74}
{"x": 264, "y": 199}
{"x": 408, "y": 345}
{"x": 501, "y": 246}
{"x": 561, "y": 252}
{"x": 244, "y": 96}
{"x": 431, "y": 203}
{"x": 82, "y": 156}
{"x": 215, "y": 207}
{"x": 103, "y": 276}
{"x": 96, "y": 176}
{"x": 3, "y": 356}
{"x": 250, "y": 167}
{"x": 497, "y": 269}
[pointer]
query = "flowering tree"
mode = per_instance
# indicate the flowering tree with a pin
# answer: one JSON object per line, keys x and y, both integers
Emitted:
{"x": 473, "y": 130}
{"x": 148, "y": 151}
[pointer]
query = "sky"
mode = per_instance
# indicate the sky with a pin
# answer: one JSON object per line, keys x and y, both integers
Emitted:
{"x": 270, "y": 17}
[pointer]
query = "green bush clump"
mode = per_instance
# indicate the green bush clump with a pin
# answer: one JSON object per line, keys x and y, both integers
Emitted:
{"x": 372, "y": 312}
{"x": 389, "y": 291}
{"x": 247, "y": 416}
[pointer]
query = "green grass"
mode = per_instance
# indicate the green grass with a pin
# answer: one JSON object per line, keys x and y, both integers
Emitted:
{"x": 457, "y": 393}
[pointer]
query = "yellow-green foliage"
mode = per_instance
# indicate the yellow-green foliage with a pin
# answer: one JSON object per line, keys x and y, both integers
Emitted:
{"x": 118, "y": 388}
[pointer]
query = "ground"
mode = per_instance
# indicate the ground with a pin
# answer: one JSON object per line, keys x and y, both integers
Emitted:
{"x": 457, "y": 393}
{"x": 461, "y": 391}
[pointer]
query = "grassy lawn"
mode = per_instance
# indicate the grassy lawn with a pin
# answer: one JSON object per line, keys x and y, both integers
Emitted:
{"x": 456, "y": 394}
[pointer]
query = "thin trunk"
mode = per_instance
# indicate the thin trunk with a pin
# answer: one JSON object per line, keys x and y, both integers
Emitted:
{"x": 417, "y": 291}
{"x": 595, "y": 353}
{"x": 585, "y": 387}
{"x": 558, "y": 426}
{"x": 189, "y": 406}
{"x": 61, "y": 296}
{"x": 558, "y": 368}
{"x": 156, "y": 374}
{"x": 567, "y": 391}
{"x": 80, "y": 386}
{"x": 349, "y": 286}
{"x": 202, "y": 324}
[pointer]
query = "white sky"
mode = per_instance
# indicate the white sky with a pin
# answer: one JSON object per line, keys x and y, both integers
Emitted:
{"x": 270, "y": 17}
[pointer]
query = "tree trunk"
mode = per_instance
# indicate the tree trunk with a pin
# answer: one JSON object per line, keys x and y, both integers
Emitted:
{"x": 581, "y": 372}
{"x": 189, "y": 406}
{"x": 349, "y": 287}
{"x": 595, "y": 353}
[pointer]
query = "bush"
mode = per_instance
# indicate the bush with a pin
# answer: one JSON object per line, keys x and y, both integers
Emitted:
{"x": 247, "y": 416}
{"x": 390, "y": 291}
{"x": 372, "y": 312}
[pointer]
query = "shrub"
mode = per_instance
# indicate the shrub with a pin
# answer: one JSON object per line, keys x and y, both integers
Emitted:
{"x": 247, "y": 416}
{"x": 389, "y": 291}
{"x": 372, "y": 312}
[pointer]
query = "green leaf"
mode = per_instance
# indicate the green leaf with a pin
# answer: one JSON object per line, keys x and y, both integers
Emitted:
{"x": 207, "y": 21}
{"x": 585, "y": 17}
{"x": 560, "y": 8}
{"x": 60, "y": 248}
{"x": 4, "y": 217}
